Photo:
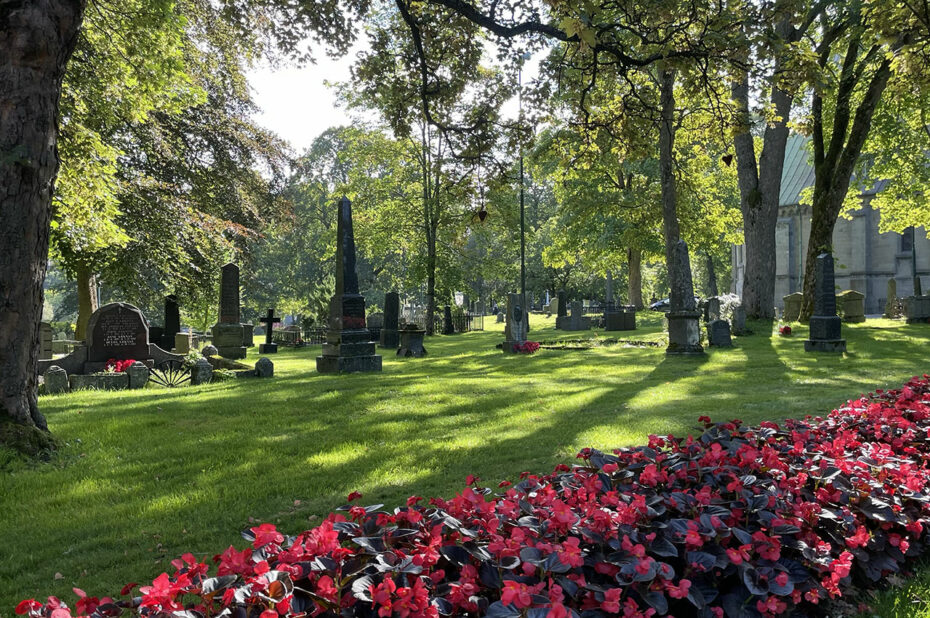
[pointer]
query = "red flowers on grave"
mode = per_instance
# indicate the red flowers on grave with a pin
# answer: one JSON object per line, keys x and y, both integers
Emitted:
{"x": 772, "y": 519}
{"x": 118, "y": 366}
{"x": 527, "y": 347}
{"x": 784, "y": 331}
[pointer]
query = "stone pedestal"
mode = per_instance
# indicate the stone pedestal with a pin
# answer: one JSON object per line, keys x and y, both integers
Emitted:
{"x": 411, "y": 343}
{"x": 268, "y": 348}
{"x": 229, "y": 340}
{"x": 348, "y": 346}
{"x": 620, "y": 320}
{"x": 917, "y": 309}
{"x": 684, "y": 333}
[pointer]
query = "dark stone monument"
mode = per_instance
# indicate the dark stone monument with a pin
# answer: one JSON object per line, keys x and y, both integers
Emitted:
{"x": 228, "y": 333}
{"x": 448, "y": 327}
{"x": 411, "y": 342}
{"x": 348, "y": 346}
{"x": 684, "y": 320}
{"x": 515, "y": 330}
{"x": 576, "y": 321}
{"x": 826, "y": 328}
{"x": 172, "y": 323}
{"x": 248, "y": 335}
{"x": 563, "y": 305}
{"x": 718, "y": 334}
{"x": 269, "y": 347}
{"x": 119, "y": 331}
{"x": 620, "y": 319}
{"x": 389, "y": 337}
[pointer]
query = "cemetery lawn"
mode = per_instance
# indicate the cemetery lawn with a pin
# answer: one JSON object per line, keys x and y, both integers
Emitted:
{"x": 144, "y": 476}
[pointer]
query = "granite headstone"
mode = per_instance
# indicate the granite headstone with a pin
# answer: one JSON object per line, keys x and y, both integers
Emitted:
{"x": 825, "y": 325}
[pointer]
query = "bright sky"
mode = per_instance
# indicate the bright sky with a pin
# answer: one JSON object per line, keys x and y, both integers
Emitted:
{"x": 298, "y": 106}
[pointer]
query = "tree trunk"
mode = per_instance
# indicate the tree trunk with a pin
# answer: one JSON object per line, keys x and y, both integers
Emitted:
{"x": 760, "y": 189}
{"x": 36, "y": 39}
{"x": 823, "y": 220}
{"x": 679, "y": 272}
{"x": 430, "y": 282}
{"x": 635, "y": 278}
{"x": 87, "y": 300}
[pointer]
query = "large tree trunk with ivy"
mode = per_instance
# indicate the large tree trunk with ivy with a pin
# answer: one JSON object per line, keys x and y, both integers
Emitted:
{"x": 635, "y": 277}
{"x": 36, "y": 39}
{"x": 87, "y": 300}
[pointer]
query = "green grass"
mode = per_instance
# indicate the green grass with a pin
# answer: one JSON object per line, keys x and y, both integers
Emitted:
{"x": 143, "y": 476}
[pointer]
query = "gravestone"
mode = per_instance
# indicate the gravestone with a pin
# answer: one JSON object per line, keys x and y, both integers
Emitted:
{"x": 853, "y": 305}
{"x": 515, "y": 330}
{"x": 183, "y": 342}
{"x": 210, "y": 350}
{"x": 228, "y": 333}
{"x": 375, "y": 321}
{"x": 576, "y": 321}
{"x": 792, "y": 307}
{"x": 825, "y": 326}
{"x": 201, "y": 372}
{"x": 718, "y": 334}
{"x": 917, "y": 309}
{"x": 620, "y": 319}
{"x": 45, "y": 341}
{"x": 712, "y": 309}
{"x": 448, "y": 327}
{"x": 563, "y": 305}
{"x": 269, "y": 347}
{"x": 389, "y": 337}
{"x": 738, "y": 327}
{"x": 411, "y": 341}
{"x": 56, "y": 381}
{"x": 248, "y": 335}
{"x": 138, "y": 375}
{"x": 499, "y": 319}
{"x": 172, "y": 323}
{"x": 891, "y": 300}
{"x": 117, "y": 331}
{"x": 348, "y": 346}
{"x": 264, "y": 368}
{"x": 684, "y": 327}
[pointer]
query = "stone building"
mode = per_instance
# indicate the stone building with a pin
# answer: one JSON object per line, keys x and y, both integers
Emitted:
{"x": 865, "y": 259}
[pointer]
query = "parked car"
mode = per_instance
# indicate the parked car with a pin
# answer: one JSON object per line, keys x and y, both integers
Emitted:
{"x": 665, "y": 304}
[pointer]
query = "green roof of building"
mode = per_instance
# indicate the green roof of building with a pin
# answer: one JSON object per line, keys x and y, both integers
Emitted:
{"x": 798, "y": 173}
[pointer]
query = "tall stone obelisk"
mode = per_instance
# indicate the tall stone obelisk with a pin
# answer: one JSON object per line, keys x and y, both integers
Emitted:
{"x": 348, "y": 346}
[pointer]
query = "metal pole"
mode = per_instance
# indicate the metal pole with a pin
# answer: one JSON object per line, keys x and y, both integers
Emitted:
{"x": 522, "y": 208}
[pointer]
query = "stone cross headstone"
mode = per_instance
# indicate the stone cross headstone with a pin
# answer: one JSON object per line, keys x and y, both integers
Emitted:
{"x": 891, "y": 300}
{"x": 117, "y": 331}
{"x": 684, "y": 328}
{"x": 172, "y": 322}
{"x": 348, "y": 346}
{"x": 389, "y": 337}
{"x": 228, "y": 333}
{"x": 577, "y": 321}
{"x": 825, "y": 325}
{"x": 515, "y": 328}
{"x": 45, "y": 341}
{"x": 269, "y": 347}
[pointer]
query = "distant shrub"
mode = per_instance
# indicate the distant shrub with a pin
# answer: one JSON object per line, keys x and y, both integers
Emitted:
{"x": 735, "y": 521}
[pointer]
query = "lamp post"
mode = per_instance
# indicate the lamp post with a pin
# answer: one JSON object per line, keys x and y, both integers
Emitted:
{"x": 526, "y": 313}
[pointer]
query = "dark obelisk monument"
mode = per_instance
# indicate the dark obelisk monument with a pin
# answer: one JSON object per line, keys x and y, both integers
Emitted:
{"x": 389, "y": 334}
{"x": 826, "y": 328}
{"x": 348, "y": 346}
{"x": 228, "y": 335}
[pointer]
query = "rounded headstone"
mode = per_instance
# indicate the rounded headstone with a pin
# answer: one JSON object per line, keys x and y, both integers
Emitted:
{"x": 209, "y": 350}
{"x": 56, "y": 380}
{"x": 264, "y": 368}
{"x": 138, "y": 374}
{"x": 119, "y": 331}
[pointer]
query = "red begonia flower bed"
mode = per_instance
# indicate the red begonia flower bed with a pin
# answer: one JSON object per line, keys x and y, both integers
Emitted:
{"x": 736, "y": 521}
